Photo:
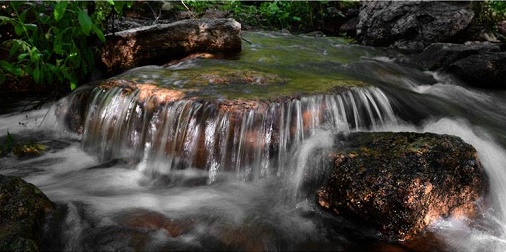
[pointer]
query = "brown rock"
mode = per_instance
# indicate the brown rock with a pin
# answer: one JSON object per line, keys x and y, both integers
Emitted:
{"x": 402, "y": 182}
{"x": 159, "y": 44}
{"x": 151, "y": 221}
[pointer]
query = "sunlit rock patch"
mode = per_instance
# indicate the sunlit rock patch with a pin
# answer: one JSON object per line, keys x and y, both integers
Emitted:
{"x": 402, "y": 182}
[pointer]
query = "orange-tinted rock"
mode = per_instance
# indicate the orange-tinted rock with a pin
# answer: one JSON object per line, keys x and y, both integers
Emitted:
{"x": 150, "y": 221}
{"x": 402, "y": 182}
{"x": 159, "y": 44}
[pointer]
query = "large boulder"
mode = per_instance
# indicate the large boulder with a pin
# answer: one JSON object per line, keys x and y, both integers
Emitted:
{"x": 159, "y": 44}
{"x": 23, "y": 208}
{"x": 486, "y": 70}
{"x": 411, "y": 24}
{"x": 402, "y": 182}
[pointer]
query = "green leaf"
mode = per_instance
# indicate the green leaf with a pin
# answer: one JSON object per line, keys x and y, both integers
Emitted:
{"x": 99, "y": 33}
{"x": 31, "y": 27}
{"x": 72, "y": 86}
{"x": 11, "y": 68}
{"x": 36, "y": 75}
{"x": 14, "y": 48}
{"x": 22, "y": 16}
{"x": 59, "y": 10}
{"x": 19, "y": 29}
{"x": 34, "y": 54}
{"x": 118, "y": 6}
{"x": 84, "y": 22}
{"x": 3, "y": 78}
{"x": 5, "y": 20}
{"x": 22, "y": 56}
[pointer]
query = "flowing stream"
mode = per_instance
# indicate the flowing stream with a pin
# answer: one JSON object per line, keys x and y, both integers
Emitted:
{"x": 189, "y": 175}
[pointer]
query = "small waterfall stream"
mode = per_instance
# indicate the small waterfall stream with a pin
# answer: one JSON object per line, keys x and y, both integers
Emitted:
{"x": 252, "y": 142}
{"x": 230, "y": 167}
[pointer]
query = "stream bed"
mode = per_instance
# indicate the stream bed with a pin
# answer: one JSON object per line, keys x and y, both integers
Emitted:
{"x": 118, "y": 188}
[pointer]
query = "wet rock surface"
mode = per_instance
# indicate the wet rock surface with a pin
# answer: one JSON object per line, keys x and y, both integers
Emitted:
{"x": 486, "y": 70}
{"x": 478, "y": 64}
{"x": 23, "y": 208}
{"x": 411, "y": 24}
{"x": 161, "y": 43}
{"x": 402, "y": 182}
{"x": 442, "y": 55}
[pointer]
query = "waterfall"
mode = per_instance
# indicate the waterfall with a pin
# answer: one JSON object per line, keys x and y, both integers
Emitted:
{"x": 252, "y": 139}
{"x": 154, "y": 174}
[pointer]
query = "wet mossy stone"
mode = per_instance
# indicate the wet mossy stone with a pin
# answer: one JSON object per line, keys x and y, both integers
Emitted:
{"x": 402, "y": 182}
{"x": 23, "y": 208}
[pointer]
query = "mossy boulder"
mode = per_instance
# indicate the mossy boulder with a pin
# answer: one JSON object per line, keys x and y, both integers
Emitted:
{"x": 23, "y": 208}
{"x": 402, "y": 182}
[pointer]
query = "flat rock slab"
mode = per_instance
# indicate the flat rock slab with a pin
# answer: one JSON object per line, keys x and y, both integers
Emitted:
{"x": 159, "y": 44}
{"x": 402, "y": 182}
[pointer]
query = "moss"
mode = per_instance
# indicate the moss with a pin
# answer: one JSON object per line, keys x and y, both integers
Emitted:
{"x": 28, "y": 150}
{"x": 273, "y": 66}
{"x": 23, "y": 208}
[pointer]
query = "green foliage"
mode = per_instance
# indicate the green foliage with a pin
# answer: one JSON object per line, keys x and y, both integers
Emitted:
{"x": 285, "y": 14}
{"x": 53, "y": 42}
{"x": 200, "y": 6}
{"x": 296, "y": 16}
{"x": 491, "y": 12}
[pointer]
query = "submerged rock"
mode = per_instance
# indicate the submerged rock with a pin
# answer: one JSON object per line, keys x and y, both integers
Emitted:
{"x": 23, "y": 208}
{"x": 159, "y": 44}
{"x": 402, "y": 182}
{"x": 411, "y": 24}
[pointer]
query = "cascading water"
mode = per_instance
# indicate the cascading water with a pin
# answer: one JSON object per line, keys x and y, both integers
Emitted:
{"x": 253, "y": 142}
{"x": 206, "y": 172}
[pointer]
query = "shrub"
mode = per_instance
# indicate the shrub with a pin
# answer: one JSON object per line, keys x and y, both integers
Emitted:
{"x": 54, "y": 43}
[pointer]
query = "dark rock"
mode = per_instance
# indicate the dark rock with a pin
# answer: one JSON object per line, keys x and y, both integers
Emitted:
{"x": 401, "y": 182}
{"x": 159, "y": 44}
{"x": 214, "y": 13}
{"x": 486, "y": 70}
{"x": 350, "y": 26}
{"x": 352, "y": 12}
{"x": 72, "y": 109}
{"x": 23, "y": 208}
{"x": 411, "y": 24}
{"x": 441, "y": 55}
{"x": 501, "y": 27}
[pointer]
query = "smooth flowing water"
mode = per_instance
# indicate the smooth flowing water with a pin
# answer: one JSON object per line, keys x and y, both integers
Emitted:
{"x": 189, "y": 175}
